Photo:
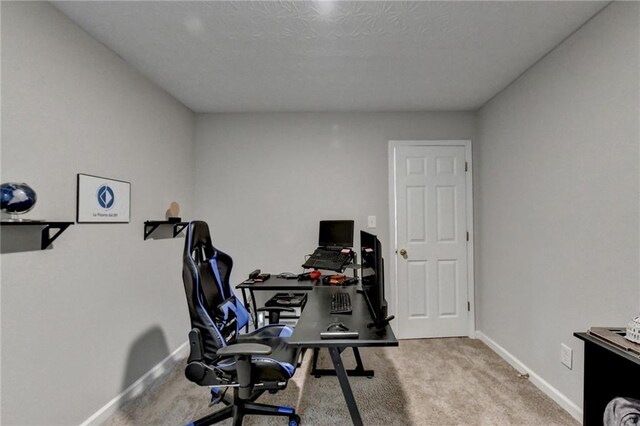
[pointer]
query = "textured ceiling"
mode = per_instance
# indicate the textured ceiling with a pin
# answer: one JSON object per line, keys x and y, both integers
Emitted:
{"x": 331, "y": 56}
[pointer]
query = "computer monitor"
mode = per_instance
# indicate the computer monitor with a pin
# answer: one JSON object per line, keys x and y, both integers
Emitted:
{"x": 372, "y": 273}
{"x": 336, "y": 233}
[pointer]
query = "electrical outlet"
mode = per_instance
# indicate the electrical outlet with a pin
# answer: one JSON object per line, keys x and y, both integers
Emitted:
{"x": 371, "y": 222}
{"x": 566, "y": 355}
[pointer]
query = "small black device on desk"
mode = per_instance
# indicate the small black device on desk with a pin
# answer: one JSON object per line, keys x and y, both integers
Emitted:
{"x": 252, "y": 277}
{"x": 283, "y": 299}
{"x": 256, "y": 277}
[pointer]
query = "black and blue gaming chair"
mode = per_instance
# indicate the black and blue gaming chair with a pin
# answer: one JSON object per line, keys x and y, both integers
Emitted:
{"x": 220, "y": 356}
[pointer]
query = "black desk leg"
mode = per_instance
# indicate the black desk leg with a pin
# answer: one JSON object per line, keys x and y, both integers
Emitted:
{"x": 253, "y": 312}
{"x": 359, "y": 371}
{"x": 314, "y": 367}
{"x": 344, "y": 384}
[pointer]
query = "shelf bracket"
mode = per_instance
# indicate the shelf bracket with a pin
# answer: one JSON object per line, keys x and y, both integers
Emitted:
{"x": 47, "y": 238}
{"x": 178, "y": 227}
{"x": 149, "y": 228}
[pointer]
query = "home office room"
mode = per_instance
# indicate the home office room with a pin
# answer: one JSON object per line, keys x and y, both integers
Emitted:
{"x": 320, "y": 212}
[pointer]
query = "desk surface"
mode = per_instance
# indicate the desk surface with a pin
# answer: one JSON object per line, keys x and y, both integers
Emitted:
{"x": 316, "y": 318}
{"x": 275, "y": 283}
{"x": 282, "y": 284}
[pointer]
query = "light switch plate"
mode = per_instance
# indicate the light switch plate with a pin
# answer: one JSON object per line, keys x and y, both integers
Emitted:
{"x": 371, "y": 222}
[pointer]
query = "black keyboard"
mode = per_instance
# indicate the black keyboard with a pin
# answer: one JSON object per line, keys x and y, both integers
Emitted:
{"x": 340, "y": 303}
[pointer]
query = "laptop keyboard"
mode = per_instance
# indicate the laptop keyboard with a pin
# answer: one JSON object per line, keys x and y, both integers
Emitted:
{"x": 327, "y": 259}
{"x": 334, "y": 255}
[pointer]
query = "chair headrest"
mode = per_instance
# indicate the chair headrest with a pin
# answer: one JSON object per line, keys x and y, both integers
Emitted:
{"x": 198, "y": 235}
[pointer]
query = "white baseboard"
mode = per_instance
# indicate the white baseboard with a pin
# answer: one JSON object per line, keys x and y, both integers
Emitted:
{"x": 136, "y": 387}
{"x": 539, "y": 382}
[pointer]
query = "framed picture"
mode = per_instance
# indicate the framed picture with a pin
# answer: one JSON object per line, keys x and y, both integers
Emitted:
{"x": 103, "y": 200}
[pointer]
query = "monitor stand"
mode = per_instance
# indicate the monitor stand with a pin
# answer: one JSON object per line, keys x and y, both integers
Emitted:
{"x": 382, "y": 324}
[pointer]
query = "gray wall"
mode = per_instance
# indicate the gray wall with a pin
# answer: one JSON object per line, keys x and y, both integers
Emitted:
{"x": 556, "y": 202}
{"x": 82, "y": 321}
{"x": 263, "y": 181}
{"x": 556, "y": 198}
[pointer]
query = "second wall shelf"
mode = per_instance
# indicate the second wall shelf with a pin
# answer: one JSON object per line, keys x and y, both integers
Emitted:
{"x": 152, "y": 225}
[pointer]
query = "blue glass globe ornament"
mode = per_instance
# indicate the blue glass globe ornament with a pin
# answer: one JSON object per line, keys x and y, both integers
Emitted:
{"x": 16, "y": 198}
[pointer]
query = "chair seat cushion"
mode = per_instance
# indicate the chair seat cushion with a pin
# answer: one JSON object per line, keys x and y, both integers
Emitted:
{"x": 281, "y": 363}
{"x": 269, "y": 331}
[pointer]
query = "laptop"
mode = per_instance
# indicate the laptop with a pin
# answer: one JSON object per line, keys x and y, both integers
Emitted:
{"x": 335, "y": 240}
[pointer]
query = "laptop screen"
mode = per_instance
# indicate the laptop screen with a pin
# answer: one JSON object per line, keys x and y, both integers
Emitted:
{"x": 336, "y": 233}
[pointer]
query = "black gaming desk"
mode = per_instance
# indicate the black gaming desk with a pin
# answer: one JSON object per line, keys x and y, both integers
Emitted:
{"x": 295, "y": 286}
{"x": 316, "y": 317}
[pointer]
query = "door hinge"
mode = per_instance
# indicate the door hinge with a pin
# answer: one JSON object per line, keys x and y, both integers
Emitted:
{"x": 467, "y": 235}
{"x": 466, "y": 166}
{"x": 469, "y": 306}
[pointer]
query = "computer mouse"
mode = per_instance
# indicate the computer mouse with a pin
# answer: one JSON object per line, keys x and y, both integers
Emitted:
{"x": 315, "y": 275}
{"x": 337, "y": 326}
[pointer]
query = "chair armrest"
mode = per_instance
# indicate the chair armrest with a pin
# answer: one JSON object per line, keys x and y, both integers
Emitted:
{"x": 275, "y": 309}
{"x": 243, "y": 353}
{"x": 244, "y": 349}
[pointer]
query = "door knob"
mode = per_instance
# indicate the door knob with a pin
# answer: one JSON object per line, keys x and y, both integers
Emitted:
{"x": 403, "y": 252}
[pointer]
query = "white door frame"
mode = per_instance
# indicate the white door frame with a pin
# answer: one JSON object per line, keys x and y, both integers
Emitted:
{"x": 393, "y": 225}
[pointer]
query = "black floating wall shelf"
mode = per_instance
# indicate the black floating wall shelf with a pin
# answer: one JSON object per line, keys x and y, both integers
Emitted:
{"x": 47, "y": 237}
{"x": 152, "y": 225}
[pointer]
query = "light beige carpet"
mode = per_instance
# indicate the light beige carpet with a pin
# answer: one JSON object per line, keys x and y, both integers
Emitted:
{"x": 456, "y": 381}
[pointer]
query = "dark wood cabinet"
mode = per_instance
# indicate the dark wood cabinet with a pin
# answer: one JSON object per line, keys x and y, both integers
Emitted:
{"x": 609, "y": 372}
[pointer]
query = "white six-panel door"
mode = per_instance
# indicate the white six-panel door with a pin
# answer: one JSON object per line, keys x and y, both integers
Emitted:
{"x": 431, "y": 262}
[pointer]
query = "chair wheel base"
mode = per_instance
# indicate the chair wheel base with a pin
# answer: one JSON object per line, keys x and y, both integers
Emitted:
{"x": 294, "y": 420}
